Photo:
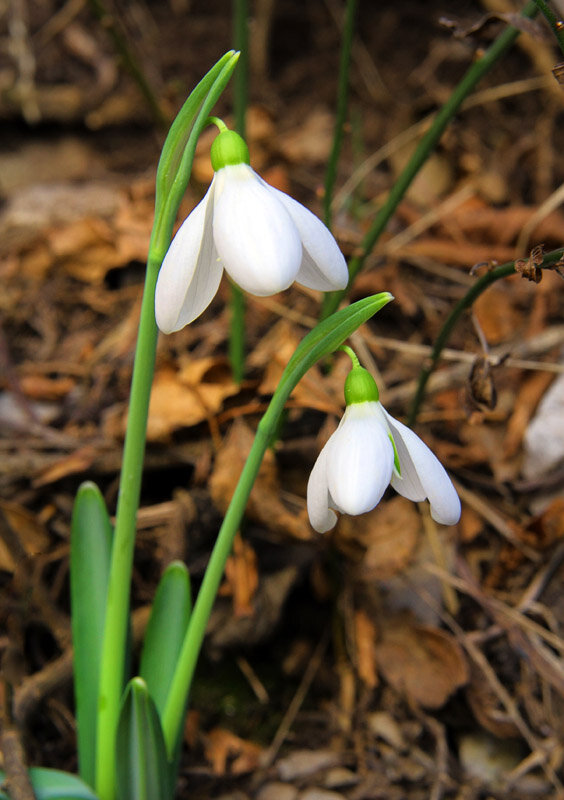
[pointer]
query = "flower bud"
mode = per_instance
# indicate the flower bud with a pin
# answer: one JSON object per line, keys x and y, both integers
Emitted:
{"x": 360, "y": 387}
{"x": 228, "y": 149}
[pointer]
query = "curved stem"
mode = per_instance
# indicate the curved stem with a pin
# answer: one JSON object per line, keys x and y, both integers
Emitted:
{"x": 219, "y": 123}
{"x": 342, "y": 101}
{"x": 174, "y": 710}
{"x": 322, "y": 340}
{"x": 351, "y": 354}
{"x": 423, "y": 150}
{"x": 471, "y": 295}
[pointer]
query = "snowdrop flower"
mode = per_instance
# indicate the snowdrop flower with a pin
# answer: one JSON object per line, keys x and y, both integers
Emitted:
{"x": 368, "y": 451}
{"x": 263, "y": 238}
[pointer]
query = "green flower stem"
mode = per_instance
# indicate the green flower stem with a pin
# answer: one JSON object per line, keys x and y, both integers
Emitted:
{"x": 351, "y": 354}
{"x": 342, "y": 102}
{"x": 424, "y": 149}
{"x": 471, "y": 295}
{"x": 554, "y": 22}
{"x": 176, "y": 702}
{"x": 173, "y": 174}
{"x": 219, "y": 123}
{"x": 240, "y": 102}
{"x": 237, "y": 333}
{"x": 326, "y": 337}
{"x": 117, "y": 609}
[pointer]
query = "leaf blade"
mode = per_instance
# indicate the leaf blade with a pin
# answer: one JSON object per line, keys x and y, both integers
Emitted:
{"x": 142, "y": 768}
{"x": 90, "y": 550}
{"x": 53, "y": 784}
{"x": 167, "y": 625}
{"x": 324, "y": 339}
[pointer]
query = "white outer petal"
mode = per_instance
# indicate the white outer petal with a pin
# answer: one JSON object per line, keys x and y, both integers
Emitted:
{"x": 254, "y": 234}
{"x": 360, "y": 460}
{"x": 323, "y": 265}
{"x": 190, "y": 273}
{"x": 423, "y": 475}
{"x": 321, "y": 517}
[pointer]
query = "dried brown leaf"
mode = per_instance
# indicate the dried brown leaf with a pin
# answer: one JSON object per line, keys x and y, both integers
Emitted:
{"x": 390, "y": 535}
{"x": 41, "y": 387}
{"x": 503, "y": 225}
{"x": 531, "y": 391}
{"x": 31, "y": 534}
{"x": 425, "y": 663}
{"x": 365, "y": 637}
{"x": 311, "y": 142}
{"x": 313, "y": 391}
{"x": 188, "y": 397}
{"x": 497, "y": 314}
{"x": 241, "y": 577}
{"x": 72, "y": 464}
{"x": 461, "y": 253}
{"x": 229, "y": 754}
{"x": 265, "y": 504}
{"x": 487, "y": 708}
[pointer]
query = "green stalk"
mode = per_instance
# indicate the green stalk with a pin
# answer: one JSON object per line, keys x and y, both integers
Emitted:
{"x": 176, "y": 702}
{"x": 466, "y": 302}
{"x": 240, "y": 102}
{"x": 554, "y": 22}
{"x": 342, "y": 101}
{"x": 117, "y": 609}
{"x": 173, "y": 174}
{"x": 322, "y": 340}
{"x": 424, "y": 149}
{"x": 237, "y": 332}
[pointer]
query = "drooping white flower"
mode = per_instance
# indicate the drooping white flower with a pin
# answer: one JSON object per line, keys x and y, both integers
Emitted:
{"x": 369, "y": 451}
{"x": 263, "y": 238}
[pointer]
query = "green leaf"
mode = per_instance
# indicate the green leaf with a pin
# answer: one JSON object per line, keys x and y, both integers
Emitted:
{"x": 177, "y": 137}
{"x": 143, "y": 771}
{"x": 175, "y": 163}
{"x": 169, "y": 619}
{"x": 52, "y": 784}
{"x": 90, "y": 548}
{"x": 324, "y": 339}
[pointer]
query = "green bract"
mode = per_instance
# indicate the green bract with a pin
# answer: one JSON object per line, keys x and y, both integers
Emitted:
{"x": 228, "y": 149}
{"x": 360, "y": 387}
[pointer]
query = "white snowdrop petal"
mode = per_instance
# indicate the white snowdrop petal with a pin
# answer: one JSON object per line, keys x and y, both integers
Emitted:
{"x": 408, "y": 485}
{"x": 360, "y": 461}
{"x": 321, "y": 517}
{"x": 190, "y": 274}
{"x": 203, "y": 288}
{"x": 253, "y": 233}
{"x": 420, "y": 466}
{"x": 323, "y": 265}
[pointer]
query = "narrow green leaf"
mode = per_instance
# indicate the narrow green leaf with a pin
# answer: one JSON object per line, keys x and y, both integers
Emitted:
{"x": 177, "y": 137}
{"x": 165, "y": 632}
{"x": 175, "y": 164}
{"x": 324, "y": 339}
{"x": 90, "y": 548}
{"x": 52, "y": 784}
{"x": 143, "y": 771}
